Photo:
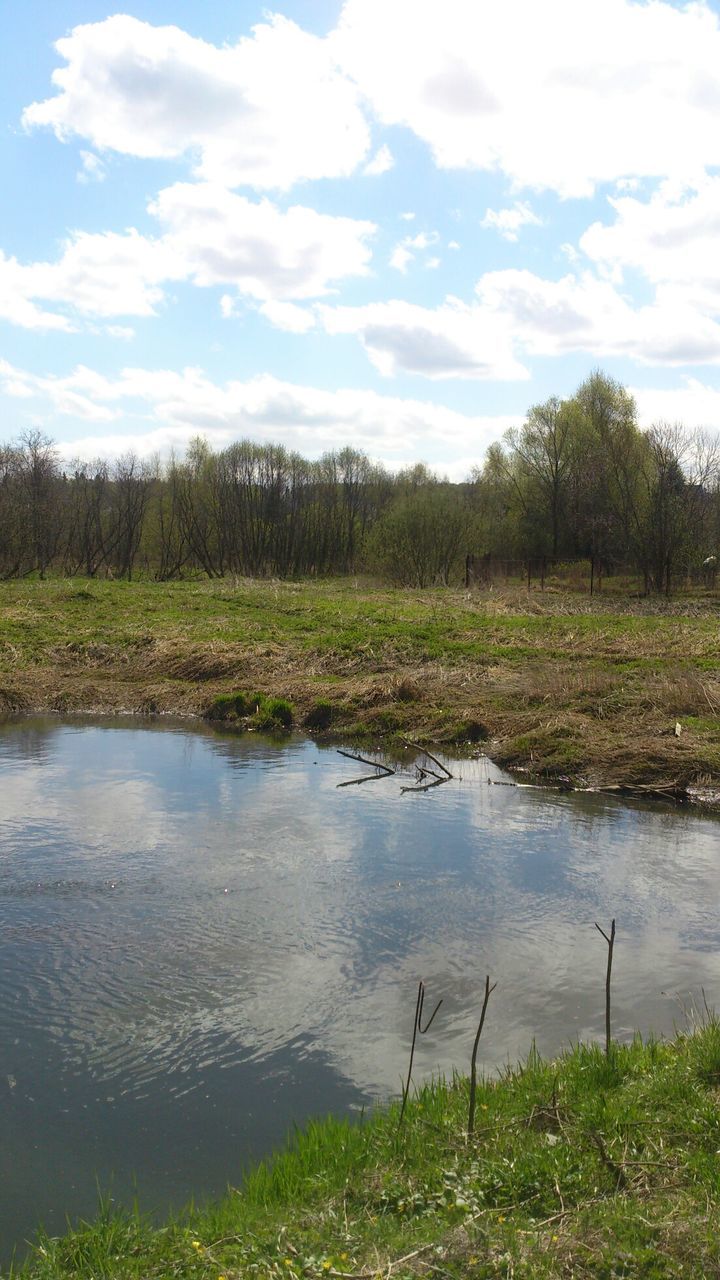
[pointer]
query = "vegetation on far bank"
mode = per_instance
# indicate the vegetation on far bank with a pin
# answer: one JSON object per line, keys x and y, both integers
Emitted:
{"x": 584, "y": 1166}
{"x": 558, "y": 682}
{"x": 578, "y": 479}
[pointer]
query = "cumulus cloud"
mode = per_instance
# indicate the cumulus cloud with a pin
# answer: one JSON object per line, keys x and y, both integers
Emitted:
{"x": 100, "y": 275}
{"x": 694, "y": 403}
{"x": 210, "y": 237}
{"x": 407, "y": 249}
{"x": 558, "y": 96}
{"x": 175, "y": 406}
{"x": 454, "y": 340}
{"x": 517, "y": 315}
{"x": 671, "y": 238}
{"x": 223, "y": 238}
{"x": 583, "y": 313}
{"x": 269, "y": 111}
{"x": 509, "y": 221}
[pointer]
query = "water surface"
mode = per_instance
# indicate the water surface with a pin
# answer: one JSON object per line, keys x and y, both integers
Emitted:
{"x": 203, "y": 941}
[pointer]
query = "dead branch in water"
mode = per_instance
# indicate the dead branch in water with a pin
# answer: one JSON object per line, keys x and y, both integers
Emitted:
{"x": 385, "y": 770}
{"x": 417, "y": 747}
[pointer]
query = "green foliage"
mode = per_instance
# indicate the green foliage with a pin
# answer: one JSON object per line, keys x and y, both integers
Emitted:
{"x": 419, "y": 540}
{"x": 253, "y": 710}
{"x": 275, "y": 714}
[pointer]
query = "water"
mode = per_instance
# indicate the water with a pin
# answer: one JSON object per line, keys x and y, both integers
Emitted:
{"x": 203, "y": 941}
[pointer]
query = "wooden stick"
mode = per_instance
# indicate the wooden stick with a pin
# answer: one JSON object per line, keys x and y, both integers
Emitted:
{"x": 611, "y": 943}
{"x": 418, "y": 1029}
{"x": 473, "y": 1062}
{"x": 417, "y": 747}
{"x": 374, "y": 764}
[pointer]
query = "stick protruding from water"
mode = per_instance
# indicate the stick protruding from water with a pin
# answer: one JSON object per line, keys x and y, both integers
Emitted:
{"x": 418, "y": 1029}
{"x": 611, "y": 944}
{"x": 473, "y": 1061}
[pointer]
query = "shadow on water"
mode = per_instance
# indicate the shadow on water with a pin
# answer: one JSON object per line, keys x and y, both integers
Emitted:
{"x": 205, "y": 939}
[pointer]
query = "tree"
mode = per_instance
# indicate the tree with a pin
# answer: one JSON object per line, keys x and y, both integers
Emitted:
{"x": 419, "y": 538}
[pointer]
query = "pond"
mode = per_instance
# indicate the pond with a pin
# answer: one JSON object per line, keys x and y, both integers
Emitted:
{"x": 204, "y": 941}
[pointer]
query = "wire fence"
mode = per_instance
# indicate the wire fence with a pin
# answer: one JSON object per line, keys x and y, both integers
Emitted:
{"x": 583, "y": 575}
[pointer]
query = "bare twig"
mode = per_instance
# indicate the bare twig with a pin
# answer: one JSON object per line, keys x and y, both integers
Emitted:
{"x": 473, "y": 1062}
{"x": 385, "y": 770}
{"x": 378, "y": 1269}
{"x": 426, "y": 786}
{"x": 417, "y": 747}
{"x": 615, "y": 1169}
{"x": 611, "y": 943}
{"x": 356, "y": 782}
{"x": 418, "y": 1029}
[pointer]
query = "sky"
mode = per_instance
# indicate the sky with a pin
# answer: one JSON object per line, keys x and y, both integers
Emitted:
{"x": 391, "y": 225}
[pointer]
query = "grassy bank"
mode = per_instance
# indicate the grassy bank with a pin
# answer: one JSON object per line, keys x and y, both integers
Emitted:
{"x": 585, "y": 1166}
{"x": 559, "y": 683}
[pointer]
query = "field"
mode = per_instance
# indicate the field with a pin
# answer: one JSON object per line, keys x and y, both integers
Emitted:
{"x": 555, "y": 682}
{"x": 589, "y": 1166}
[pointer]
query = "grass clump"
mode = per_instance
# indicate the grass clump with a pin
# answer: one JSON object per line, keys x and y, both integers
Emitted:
{"x": 252, "y": 711}
{"x": 588, "y": 1165}
{"x": 275, "y": 714}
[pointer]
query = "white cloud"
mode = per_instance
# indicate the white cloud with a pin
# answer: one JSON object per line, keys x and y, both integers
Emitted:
{"x": 93, "y": 168}
{"x": 223, "y": 238}
{"x": 100, "y": 275}
{"x": 175, "y": 406}
{"x": 560, "y": 96}
{"x": 407, "y": 249}
{"x": 454, "y": 340}
{"x": 694, "y": 404}
{"x": 671, "y": 238}
{"x": 210, "y": 236}
{"x": 400, "y": 258}
{"x": 288, "y": 316}
{"x": 408, "y": 216}
{"x": 271, "y": 110}
{"x": 382, "y": 162}
{"x": 583, "y": 313}
{"x": 509, "y": 221}
{"x": 16, "y": 304}
{"x": 518, "y": 314}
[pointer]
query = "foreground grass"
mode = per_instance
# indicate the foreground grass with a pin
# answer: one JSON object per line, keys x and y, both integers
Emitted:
{"x": 555, "y": 682}
{"x": 584, "y": 1166}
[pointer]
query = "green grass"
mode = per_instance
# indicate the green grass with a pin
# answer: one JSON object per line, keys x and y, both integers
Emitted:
{"x": 583, "y": 1166}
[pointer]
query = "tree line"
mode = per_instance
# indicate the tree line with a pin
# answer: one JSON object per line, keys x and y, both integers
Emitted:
{"x": 578, "y": 479}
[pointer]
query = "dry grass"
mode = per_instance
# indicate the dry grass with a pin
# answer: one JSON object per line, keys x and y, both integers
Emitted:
{"x": 564, "y": 684}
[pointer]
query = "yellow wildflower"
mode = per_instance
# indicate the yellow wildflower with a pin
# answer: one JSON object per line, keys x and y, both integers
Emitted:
{"x": 196, "y": 1244}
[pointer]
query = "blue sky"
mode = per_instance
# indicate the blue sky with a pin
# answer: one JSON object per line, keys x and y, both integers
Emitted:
{"x": 395, "y": 225}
